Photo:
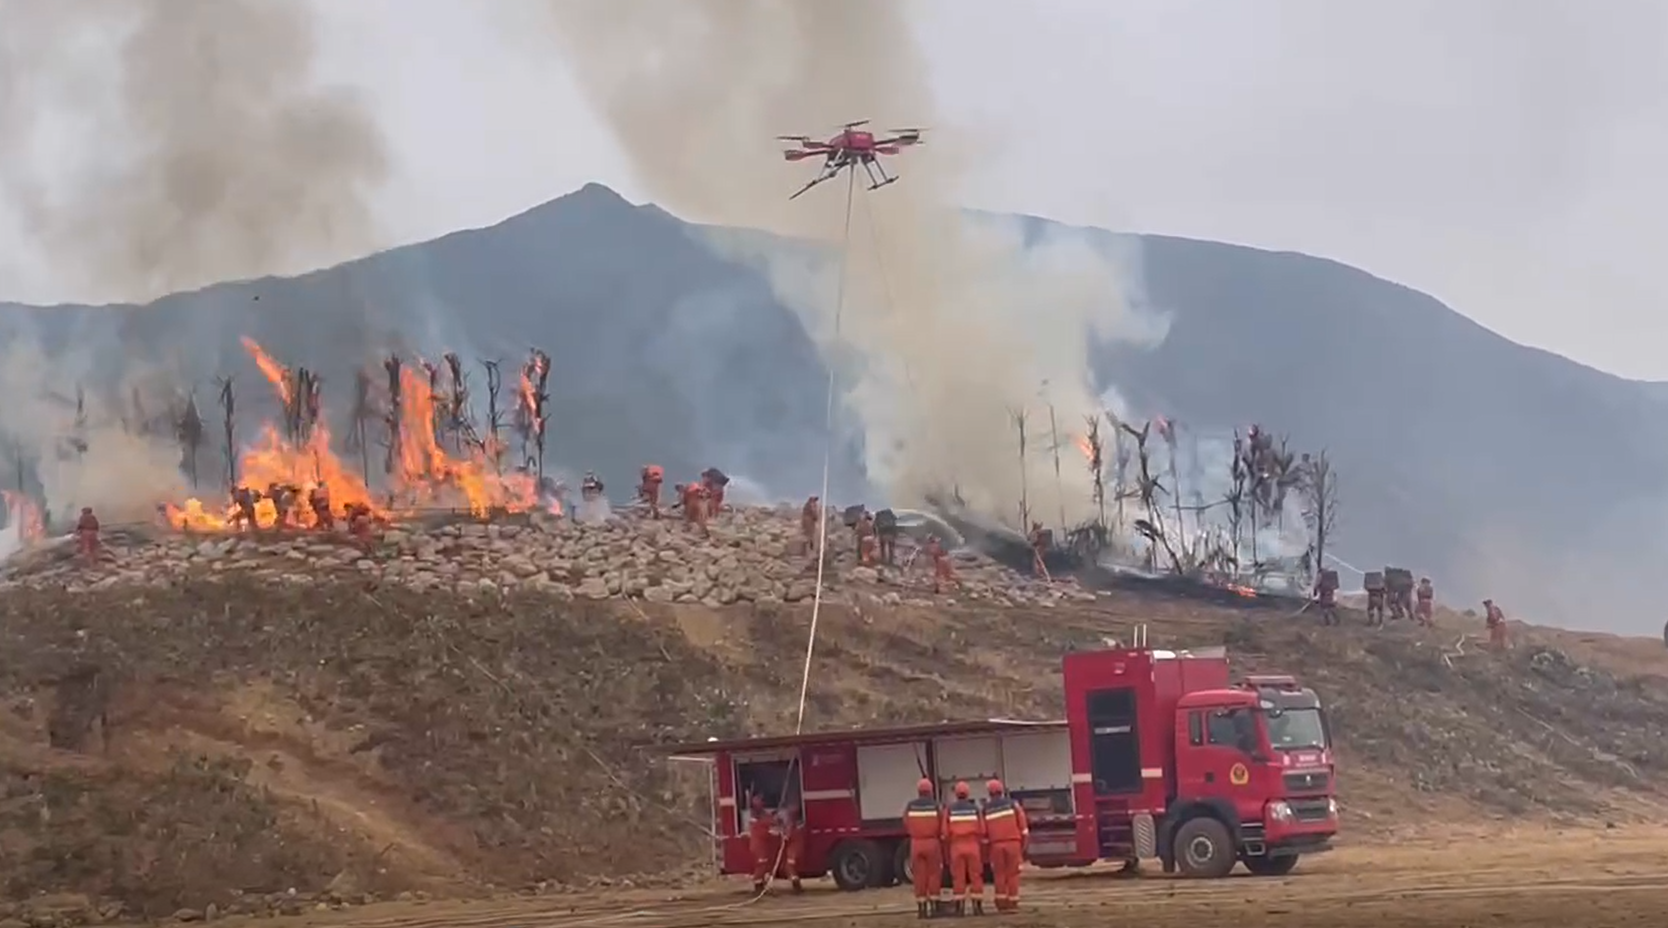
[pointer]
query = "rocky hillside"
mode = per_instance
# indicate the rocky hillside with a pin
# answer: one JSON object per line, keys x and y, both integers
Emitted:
{"x": 281, "y": 723}
{"x": 752, "y": 555}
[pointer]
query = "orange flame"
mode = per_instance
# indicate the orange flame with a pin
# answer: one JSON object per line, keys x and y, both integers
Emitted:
{"x": 21, "y": 509}
{"x": 1245, "y": 591}
{"x": 427, "y": 476}
{"x": 274, "y": 372}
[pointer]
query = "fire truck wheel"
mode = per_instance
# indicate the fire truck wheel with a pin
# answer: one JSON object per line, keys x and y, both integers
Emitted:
{"x": 903, "y": 864}
{"x": 858, "y": 865}
{"x": 1271, "y": 866}
{"x": 1204, "y": 849}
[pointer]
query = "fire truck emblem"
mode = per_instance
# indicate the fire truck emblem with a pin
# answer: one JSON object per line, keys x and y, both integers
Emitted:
{"x": 1239, "y": 776}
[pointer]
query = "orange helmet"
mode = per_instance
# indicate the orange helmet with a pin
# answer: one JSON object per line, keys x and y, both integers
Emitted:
{"x": 924, "y": 787}
{"x": 654, "y": 471}
{"x": 994, "y": 787}
{"x": 962, "y": 792}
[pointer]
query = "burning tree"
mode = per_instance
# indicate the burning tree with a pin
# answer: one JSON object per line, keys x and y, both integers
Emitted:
{"x": 1239, "y": 475}
{"x": 532, "y": 415}
{"x": 301, "y": 397}
{"x": 228, "y": 424}
{"x": 437, "y": 411}
{"x": 1095, "y": 452}
{"x": 189, "y": 429}
{"x": 457, "y": 419}
{"x": 363, "y": 413}
{"x": 1018, "y": 416}
{"x": 1120, "y": 474}
{"x": 395, "y": 414}
{"x": 1318, "y": 485}
{"x": 421, "y": 472}
{"x": 1149, "y": 490}
{"x": 495, "y": 415}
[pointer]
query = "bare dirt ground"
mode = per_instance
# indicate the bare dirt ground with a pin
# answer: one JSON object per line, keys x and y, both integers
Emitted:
{"x": 1591, "y": 878}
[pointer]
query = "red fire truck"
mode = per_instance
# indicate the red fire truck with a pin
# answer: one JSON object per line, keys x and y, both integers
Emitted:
{"x": 1159, "y": 756}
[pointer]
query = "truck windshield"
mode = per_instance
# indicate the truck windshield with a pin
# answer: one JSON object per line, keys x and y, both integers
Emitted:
{"x": 1295, "y": 729}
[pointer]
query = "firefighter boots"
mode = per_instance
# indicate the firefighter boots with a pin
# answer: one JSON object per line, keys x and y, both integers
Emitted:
{"x": 978, "y": 907}
{"x": 797, "y": 888}
{"x": 923, "y": 909}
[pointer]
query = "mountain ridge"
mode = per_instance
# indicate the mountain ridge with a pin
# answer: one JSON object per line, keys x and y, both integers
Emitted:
{"x": 1501, "y": 469}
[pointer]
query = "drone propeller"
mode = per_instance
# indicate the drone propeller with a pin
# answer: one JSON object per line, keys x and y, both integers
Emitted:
{"x": 853, "y": 125}
{"x": 801, "y": 139}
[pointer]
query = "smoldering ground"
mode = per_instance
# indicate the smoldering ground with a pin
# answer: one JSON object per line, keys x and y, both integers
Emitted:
{"x": 948, "y": 328}
{"x": 153, "y": 146}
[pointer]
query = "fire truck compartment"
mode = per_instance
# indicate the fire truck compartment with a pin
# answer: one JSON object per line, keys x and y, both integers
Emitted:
{"x": 886, "y": 777}
{"x": 850, "y": 788}
{"x": 1035, "y": 767}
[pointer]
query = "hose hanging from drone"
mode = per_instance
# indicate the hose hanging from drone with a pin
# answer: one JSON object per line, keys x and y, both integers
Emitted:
{"x": 822, "y": 518}
{"x": 822, "y": 561}
{"x": 827, "y": 454}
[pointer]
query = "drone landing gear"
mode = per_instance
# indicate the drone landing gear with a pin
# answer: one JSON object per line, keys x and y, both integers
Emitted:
{"x": 877, "y": 175}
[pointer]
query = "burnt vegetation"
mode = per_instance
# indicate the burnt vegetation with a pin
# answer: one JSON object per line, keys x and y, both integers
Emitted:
{"x": 1148, "y": 489}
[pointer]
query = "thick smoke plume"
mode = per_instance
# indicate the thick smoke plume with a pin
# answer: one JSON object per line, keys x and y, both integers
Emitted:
{"x": 150, "y": 146}
{"x": 949, "y": 326}
{"x": 185, "y": 141}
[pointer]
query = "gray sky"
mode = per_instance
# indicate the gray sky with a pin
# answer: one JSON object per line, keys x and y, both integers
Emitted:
{"x": 1507, "y": 157}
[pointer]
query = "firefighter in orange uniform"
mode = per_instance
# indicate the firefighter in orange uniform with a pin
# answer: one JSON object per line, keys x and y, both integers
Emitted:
{"x": 1426, "y": 609}
{"x": 1006, "y": 825}
{"x": 693, "y": 496}
{"x": 649, "y": 489}
{"x": 793, "y": 845}
{"x": 1039, "y": 539}
{"x": 926, "y": 855}
{"x": 1326, "y": 597}
{"x": 964, "y": 836}
{"x": 86, "y": 534}
{"x": 943, "y": 574}
{"x": 1495, "y": 619}
{"x": 761, "y": 841}
{"x": 867, "y": 543}
{"x": 1008, "y": 830}
{"x": 810, "y": 518}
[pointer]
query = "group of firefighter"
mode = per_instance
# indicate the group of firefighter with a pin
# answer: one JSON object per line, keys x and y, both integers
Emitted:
{"x": 286, "y": 501}
{"x": 876, "y": 534}
{"x": 700, "y": 499}
{"x": 960, "y": 834}
{"x": 1391, "y": 593}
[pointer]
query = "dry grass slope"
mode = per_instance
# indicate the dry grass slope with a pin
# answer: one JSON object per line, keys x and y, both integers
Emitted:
{"x": 225, "y": 741}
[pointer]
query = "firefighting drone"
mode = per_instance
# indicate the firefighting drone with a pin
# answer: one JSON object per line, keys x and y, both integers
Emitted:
{"x": 850, "y": 148}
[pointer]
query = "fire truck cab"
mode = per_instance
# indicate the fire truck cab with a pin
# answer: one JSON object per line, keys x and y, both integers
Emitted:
{"x": 1159, "y": 757}
{"x": 1177, "y": 763}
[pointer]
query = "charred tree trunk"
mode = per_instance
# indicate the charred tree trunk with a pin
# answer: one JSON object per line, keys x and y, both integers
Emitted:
{"x": 495, "y": 422}
{"x": 228, "y": 426}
